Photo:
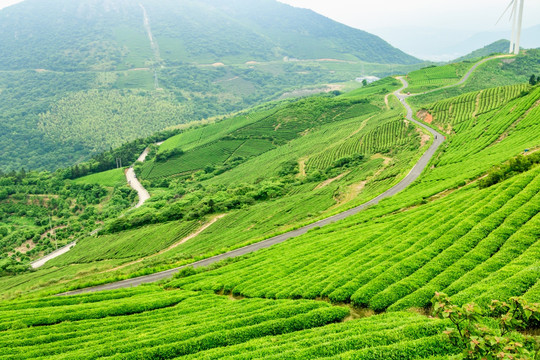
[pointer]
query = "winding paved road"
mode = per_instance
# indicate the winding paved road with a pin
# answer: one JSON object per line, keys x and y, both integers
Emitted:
{"x": 409, "y": 179}
{"x": 40, "y": 262}
{"x": 415, "y": 172}
{"x": 468, "y": 74}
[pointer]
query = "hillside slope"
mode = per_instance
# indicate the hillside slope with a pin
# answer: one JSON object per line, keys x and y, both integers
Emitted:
{"x": 498, "y": 47}
{"x": 358, "y": 288}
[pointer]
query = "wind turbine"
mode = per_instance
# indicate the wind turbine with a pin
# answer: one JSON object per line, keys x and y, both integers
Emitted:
{"x": 517, "y": 20}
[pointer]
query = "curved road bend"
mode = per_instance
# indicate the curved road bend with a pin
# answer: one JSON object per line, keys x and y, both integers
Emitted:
{"x": 133, "y": 183}
{"x": 468, "y": 74}
{"x": 409, "y": 179}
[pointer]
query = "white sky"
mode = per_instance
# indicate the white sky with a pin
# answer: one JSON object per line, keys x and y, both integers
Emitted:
{"x": 476, "y": 15}
{"x": 4, "y": 3}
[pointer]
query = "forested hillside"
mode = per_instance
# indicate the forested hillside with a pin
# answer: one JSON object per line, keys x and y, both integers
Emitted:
{"x": 76, "y": 75}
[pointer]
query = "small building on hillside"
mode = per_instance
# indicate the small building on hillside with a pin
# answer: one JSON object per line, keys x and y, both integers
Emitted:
{"x": 369, "y": 79}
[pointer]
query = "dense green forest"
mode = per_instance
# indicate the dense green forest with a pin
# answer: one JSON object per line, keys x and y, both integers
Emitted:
{"x": 41, "y": 211}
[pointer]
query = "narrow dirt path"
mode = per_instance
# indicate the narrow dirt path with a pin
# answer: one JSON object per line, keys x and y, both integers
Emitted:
{"x": 415, "y": 172}
{"x": 132, "y": 182}
{"x": 153, "y": 44}
{"x": 175, "y": 245}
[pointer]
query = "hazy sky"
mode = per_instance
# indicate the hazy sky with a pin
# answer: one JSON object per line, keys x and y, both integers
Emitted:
{"x": 477, "y": 15}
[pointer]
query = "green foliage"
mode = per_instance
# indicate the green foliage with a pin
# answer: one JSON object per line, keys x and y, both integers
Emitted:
{"x": 289, "y": 168}
{"x": 458, "y": 112}
{"x": 33, "y": 203}
{"x": 515, "y": 166}
{"x": 98, "y": 120}
{"x": 254, "y": 134}
{"x": 369, "y": 262}
{"x": 163, "y": 156}
{"x": 126, "y": 154}
{"x": 10, "y": 267}
{"x": 496, "y": 73}
{"x": 79, "y": 77}
{"x": 478, "y": 340}
{"x": 110, "y": 178}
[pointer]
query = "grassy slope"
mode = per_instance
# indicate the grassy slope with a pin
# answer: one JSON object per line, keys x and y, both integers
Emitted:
{"x": 436, "y": 76}
{"x": 109, "y": 178}
{"x": 386, "y": 269}
{"x": 494, "y": 73}
{"x": 206, "y": 327}
{"x": 304, "y": 202}
{"x": 474, "y": 243}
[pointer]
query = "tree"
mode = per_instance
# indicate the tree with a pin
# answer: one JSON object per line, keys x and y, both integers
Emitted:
{"x": 534, "y": 80}
{"x": 364, "y": 82}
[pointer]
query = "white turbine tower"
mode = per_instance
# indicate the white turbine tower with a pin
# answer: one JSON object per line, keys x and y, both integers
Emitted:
{"x": 517, "y": 20}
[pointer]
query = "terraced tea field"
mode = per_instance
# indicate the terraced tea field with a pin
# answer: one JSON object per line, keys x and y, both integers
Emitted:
{"x": 357, "y": 288}
{"x": 206, "y": 326}
{"x": 436, "y": 76}
{"x": 467, "y": 107}
{"x": 400, "y": 260}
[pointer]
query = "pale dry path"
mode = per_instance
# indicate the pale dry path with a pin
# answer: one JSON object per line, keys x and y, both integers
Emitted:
{"x": 153, "y": 44}
{"x": 40, "y": 262}
{"x": 133, "y": 183}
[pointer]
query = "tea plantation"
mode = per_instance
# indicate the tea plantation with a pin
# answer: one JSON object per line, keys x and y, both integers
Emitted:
{"x": 358, "y": 288}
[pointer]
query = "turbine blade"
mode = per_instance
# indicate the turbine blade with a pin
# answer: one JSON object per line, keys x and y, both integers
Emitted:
{"x": 505, "y": 11}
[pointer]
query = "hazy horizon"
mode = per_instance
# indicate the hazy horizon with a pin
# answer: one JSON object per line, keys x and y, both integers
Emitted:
{"x": 444, "y": 25}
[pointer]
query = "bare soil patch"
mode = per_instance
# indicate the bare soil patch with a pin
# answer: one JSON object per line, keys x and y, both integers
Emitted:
{"x": 25, "y": 247}
{"x": 302, "y": 168}
{"x": 425, "y": 116}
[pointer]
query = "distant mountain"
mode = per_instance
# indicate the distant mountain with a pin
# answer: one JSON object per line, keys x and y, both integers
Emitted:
{"x": 500, "y": 46}
{"x": 109, "y": 34}
{"x": 530, "y": 39}
{"x": 448, "y": 44}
